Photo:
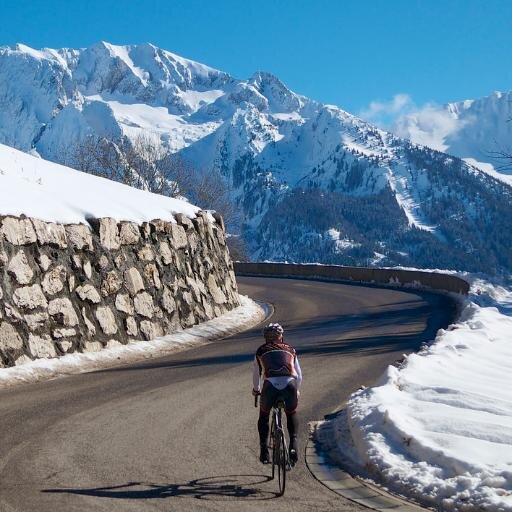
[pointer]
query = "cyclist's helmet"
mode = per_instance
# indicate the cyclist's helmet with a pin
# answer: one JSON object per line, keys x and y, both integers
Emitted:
{"x": 273, "y": 332}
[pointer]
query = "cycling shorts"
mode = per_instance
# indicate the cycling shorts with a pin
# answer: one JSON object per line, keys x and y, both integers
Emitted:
{"x": 270, "y": 396}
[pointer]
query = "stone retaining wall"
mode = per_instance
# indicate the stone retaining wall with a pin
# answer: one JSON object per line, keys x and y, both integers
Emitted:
{"x": 383, "y": 276}
{"x": 68, "y": 288}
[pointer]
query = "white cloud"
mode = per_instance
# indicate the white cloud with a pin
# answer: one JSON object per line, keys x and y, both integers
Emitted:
{"x": 430, "y": 124}
{"x": 378, "y": 111}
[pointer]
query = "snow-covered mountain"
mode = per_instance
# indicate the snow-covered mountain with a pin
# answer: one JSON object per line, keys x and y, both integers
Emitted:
{"x": 314, "y": 182}
{"x": 474, "y": 130}
{"x": 484, "y": 127}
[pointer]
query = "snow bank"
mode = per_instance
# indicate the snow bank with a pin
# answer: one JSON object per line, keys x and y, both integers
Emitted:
{"x": 55, "y": 193}
{"x": 248, "y": 314}
{"x": 439, "y": 428}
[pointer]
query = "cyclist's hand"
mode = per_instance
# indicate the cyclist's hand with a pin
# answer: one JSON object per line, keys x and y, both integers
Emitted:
{"x": 298, "y": 394}
{"x": 255, "y": 392}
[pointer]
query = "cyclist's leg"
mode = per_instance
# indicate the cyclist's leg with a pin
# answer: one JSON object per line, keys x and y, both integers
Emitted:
{"x": 292, "y": 422}
{"x": 266, "y": 401}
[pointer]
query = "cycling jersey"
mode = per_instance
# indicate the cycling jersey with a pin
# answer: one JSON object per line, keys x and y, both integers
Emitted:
{"x": 278, "y": 363}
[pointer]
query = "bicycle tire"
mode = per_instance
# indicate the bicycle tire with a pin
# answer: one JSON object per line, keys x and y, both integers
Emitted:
{"x": 273, "y": 446}
{"x": 281, "y": 456}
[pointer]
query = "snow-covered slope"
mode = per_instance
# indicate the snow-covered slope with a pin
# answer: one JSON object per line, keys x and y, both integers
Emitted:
{"x": 439, "y": 426}
{"x": 298, "y": 169}
{"x": 44, "y": 190}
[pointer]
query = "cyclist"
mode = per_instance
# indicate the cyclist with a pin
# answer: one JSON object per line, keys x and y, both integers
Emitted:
{"x": 277, "y": 363}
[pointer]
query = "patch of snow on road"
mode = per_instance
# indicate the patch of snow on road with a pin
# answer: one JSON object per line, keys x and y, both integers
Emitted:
{"x": 55, "y": 193}
{"x": 248, "y": 314}
{"x": 439, "y": 427}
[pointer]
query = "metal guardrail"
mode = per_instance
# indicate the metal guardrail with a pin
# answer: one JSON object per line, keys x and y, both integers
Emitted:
{"x": 381, "y": 276}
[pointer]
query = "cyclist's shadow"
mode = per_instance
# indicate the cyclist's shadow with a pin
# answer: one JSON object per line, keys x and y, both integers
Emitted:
{"x": 228, "y": 487}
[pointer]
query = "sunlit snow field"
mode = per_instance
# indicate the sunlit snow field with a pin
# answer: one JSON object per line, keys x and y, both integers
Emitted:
{"x": 439, "y": 428}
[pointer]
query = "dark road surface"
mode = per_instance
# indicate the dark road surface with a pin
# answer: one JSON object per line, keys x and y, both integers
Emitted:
{"x": 179, "y": 433}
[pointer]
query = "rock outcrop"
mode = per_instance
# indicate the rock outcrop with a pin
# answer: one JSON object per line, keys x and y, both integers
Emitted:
{"x": 69, "y": 288}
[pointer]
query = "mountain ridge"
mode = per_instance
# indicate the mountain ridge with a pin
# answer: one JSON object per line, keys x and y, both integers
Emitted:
{"x": 277, "y": 150}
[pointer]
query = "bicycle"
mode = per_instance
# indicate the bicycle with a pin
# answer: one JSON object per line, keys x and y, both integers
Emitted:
{"x": 280, "y": 456}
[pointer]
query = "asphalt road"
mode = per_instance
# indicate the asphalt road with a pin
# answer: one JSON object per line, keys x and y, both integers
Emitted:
{"x": 179, "y": 433}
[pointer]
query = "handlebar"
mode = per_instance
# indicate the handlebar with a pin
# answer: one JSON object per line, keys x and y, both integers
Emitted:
{"x": 256, "y": 400}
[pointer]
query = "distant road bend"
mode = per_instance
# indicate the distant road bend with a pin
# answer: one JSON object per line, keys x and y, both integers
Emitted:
{"x": 179, "y": 433}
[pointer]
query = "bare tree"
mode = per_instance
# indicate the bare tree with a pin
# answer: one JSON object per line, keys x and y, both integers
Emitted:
{"x": 210, "y": 191}
{"x": 156, "y": 169}
{"x": 146, "y": 164}
{"x": 102, "y": 157}
{"x": 237, "y": 248}
{"x": 142, "y": 163}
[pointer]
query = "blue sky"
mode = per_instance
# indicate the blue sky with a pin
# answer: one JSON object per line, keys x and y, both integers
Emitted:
{"x": 345, "y": 52}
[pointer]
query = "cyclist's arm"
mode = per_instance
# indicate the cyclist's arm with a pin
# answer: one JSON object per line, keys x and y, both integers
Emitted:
{"x": 299, "y": 372}
{"x": 255, "y": 375}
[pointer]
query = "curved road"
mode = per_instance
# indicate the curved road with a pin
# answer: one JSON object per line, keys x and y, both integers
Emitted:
{"x": 179, "y": 433}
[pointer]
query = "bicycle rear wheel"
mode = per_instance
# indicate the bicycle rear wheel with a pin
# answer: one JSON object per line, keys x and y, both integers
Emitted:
{"x": 281, "y": 461}
{"x": 273, "y": 446}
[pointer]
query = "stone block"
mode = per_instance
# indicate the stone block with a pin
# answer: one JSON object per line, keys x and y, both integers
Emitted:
{"x": 217, "y": 294}
{"x": 88, "y": 293}
{"x": 161, "y": 226}
{"x": 12, "y": 312}
{"x": 151, "y": 330}
{"x": 91, "y": 329}
{"x": 30, "y": 297}
{"x": 64, "y": 332}
{"x": 20, "y": 269}
{"x": 103, "y": 262}
{"x": 109, "y": 234}
{"x": 144, "y": 305}
{"x": 9, "y": 337}
{"x": 124, "y": 303}
{"x": 120, "y": 261}
{"x": 44, "y": 262}
{"x": 65, "y": 345}
{"x": 53, "y": 280}
{"x": 133, "y": 281}
{"x": 106, "y": 320}
{"x": 92, "y": 346}
{"x": 131, "y": 326}
{"x": 111, "y": 284}
{"x": 36, "y": 320}
{"x": 165, "y": 253}
{"x": 18, "y": 231}
{"x": 129, "y": 233}
{"x": 184, "y": 221}
{"x": 41, "y": 346}
{"x": 146, "y": 253}
{"x": 49, "y": 233}
{"x": 87, "y": 268}
{"x": 79, "y": 237}
{"x": 113, "y": 343}
{"x": 168, "y": 302}
{"x": 178, "y": 237}
{"x": 62, "y": 311}
{"x": 152, "y": 275}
